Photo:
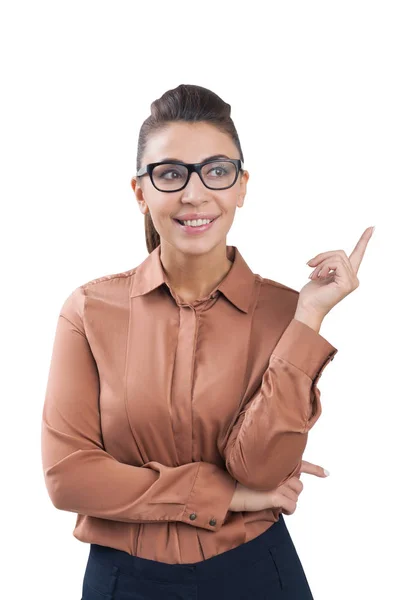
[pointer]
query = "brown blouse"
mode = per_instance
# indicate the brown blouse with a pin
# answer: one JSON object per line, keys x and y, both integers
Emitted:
{"x": 155, "y": 408}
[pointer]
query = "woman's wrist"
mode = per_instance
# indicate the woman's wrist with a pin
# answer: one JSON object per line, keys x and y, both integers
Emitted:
{"x": 309, "y": 317}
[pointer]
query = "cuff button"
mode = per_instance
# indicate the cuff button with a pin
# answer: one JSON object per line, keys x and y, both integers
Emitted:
{"x": 213, "y": 522}
{"x": 193, "y": 516}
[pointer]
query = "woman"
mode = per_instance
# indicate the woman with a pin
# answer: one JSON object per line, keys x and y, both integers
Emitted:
{"x": 181, "y": 392}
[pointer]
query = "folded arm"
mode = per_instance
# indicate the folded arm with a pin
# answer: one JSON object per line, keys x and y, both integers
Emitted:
{"x": 82, "y": 477}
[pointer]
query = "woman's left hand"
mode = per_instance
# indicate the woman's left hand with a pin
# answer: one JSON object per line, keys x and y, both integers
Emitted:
{"x": 323, "y": 292}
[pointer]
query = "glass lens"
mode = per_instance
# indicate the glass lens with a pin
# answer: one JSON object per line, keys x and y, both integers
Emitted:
{"x": 169, "y": 177}
{"x": 218, "y": 174}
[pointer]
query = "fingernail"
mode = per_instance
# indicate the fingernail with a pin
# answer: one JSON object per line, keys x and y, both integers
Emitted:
{"x": 326, "y": 472}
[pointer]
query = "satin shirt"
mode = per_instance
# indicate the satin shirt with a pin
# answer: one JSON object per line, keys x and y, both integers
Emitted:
{"x": 155, "y": 408}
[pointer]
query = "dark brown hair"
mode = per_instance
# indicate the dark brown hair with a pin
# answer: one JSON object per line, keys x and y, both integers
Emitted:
{"x": 188, "y": 103}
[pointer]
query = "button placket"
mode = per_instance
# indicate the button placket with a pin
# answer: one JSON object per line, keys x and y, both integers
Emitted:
{"x": 181, "y": 387}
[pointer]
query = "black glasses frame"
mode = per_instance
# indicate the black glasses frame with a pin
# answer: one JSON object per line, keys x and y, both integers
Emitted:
{"x": 191, "y": 167}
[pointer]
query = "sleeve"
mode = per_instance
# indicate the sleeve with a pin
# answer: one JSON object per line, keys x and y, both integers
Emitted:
{"x": 82, "y": 477}
{"x": 264, "y": 447}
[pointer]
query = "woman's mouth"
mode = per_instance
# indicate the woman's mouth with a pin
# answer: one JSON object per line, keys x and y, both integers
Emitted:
{"x": 194, "y": 229}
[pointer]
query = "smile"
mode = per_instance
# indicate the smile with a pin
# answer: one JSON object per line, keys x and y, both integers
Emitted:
{"x": 194, "y": 229}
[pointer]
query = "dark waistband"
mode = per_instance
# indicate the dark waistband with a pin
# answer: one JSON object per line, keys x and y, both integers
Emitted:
{"x": 239, "y": 557}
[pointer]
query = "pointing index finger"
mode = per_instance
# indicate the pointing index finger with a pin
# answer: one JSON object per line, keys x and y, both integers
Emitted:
{"x": 357, "y": 255}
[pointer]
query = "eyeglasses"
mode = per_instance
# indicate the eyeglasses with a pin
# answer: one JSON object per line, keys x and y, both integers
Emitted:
{"x": 173, "y": 176}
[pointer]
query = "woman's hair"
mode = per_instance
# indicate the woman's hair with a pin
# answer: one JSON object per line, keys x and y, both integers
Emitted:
{"x": 189, "y": 103}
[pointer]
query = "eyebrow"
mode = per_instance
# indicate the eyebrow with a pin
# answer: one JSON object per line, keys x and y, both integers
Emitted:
{"x": 204, "y": 159}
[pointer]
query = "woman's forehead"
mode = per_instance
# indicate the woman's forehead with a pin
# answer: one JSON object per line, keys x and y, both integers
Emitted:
{"x": 190, "y": 142}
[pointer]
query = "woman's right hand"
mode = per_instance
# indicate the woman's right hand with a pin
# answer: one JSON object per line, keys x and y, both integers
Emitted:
{"x": 284, "y": 496}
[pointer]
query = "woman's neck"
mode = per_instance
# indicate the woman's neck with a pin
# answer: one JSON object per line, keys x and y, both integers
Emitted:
{"x": 193, "y": 277}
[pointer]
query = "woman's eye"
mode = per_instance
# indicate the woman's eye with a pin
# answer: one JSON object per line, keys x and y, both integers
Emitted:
{"x": 164, "y": 175}
{"x": 220, "y": 169}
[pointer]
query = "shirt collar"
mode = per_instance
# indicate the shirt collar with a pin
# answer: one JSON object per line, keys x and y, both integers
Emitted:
{"x": 237, "y": 284}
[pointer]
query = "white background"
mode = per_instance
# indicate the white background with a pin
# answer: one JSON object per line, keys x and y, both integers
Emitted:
{"x": 314, "y": 91}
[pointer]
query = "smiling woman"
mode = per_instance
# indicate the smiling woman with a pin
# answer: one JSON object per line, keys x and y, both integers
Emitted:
{"x": 181, "y": 392}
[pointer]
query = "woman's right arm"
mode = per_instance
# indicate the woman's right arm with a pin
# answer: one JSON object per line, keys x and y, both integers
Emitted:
{"x": 82, "y": 477}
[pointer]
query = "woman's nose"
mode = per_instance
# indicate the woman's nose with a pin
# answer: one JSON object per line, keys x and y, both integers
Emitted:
{"x": 195, "y": 187}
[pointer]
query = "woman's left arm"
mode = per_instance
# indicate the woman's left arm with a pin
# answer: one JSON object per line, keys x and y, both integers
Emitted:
{"x": 266, "y": 444}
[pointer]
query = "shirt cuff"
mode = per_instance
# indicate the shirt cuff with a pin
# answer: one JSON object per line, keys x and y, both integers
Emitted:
{"x": 304, "y": 348}
{"x": 210, "y": 498}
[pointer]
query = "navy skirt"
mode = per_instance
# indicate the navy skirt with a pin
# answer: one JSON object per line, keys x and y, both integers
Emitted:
{"x": 267, "y": 567}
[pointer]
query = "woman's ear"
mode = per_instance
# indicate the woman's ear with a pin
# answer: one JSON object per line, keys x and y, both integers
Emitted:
{"x": 242, "y": 187}
{"x": 135, "y": 185}
{"x": 139, "y": 196}
{"x": 137, "y": 189}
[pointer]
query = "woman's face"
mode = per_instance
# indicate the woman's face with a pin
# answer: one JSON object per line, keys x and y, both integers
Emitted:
{"x": 190, "y": 143}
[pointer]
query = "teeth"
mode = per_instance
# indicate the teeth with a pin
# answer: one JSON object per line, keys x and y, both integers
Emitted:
{"x": 197, "y": 223}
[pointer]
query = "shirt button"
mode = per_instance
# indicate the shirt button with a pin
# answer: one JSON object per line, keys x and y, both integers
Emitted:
{"x": 193, "y": 516}
{"x": 213, "y": 522}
